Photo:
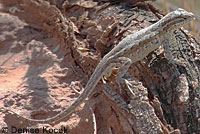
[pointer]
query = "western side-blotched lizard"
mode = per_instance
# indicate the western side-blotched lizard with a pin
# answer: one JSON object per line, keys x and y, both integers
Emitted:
{"x": 131, "y": 49}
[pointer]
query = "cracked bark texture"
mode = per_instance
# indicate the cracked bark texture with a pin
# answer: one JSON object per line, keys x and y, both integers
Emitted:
{"x": 166, "y": 100}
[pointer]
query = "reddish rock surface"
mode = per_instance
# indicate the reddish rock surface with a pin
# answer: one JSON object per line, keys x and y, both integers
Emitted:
{"x": 32, "y": 81}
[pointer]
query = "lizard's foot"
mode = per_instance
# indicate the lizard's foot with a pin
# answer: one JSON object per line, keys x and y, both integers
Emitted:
{"x": 72, "y": 85}
{"x": 127, "y": 83}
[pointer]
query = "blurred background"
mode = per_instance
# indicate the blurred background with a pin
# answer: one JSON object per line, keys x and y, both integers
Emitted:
{"x": 189, "y": 5}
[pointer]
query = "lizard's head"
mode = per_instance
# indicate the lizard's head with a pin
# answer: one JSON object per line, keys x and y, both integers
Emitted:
{"x": 177, "y": 18}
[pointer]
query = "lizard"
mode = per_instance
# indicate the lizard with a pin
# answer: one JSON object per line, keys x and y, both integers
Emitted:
{"x": 129, "y": 50}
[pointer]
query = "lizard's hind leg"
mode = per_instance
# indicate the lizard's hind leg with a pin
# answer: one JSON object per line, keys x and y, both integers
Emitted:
{"x": 123, "y": 68}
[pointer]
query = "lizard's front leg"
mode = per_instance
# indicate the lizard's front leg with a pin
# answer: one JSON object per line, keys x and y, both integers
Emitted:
{"x": 167, "y": 49}
{"x": 170, "y": 48}
{"x": 170, "y": 44}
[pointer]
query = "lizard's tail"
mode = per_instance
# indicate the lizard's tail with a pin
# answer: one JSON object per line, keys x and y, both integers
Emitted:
{"x": 94, "y": 79}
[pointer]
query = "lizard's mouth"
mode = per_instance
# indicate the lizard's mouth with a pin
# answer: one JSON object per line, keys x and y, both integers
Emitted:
{"x": 180, "y": 21}
{"x": 190, "y": 17}
{"x": 186, "y": 19}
